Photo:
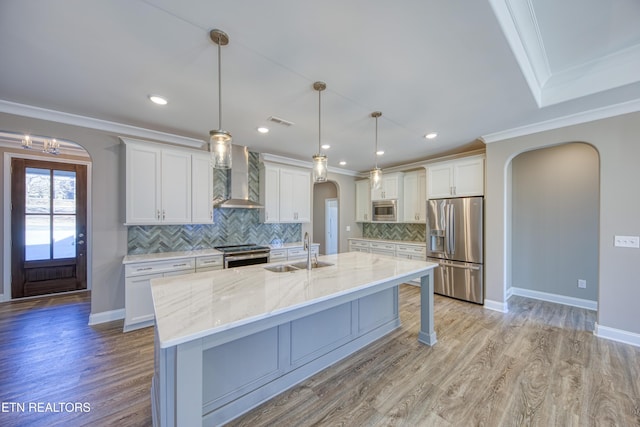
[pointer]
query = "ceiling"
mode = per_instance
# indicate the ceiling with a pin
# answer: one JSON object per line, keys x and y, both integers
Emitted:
{"x": 462, "y": 69}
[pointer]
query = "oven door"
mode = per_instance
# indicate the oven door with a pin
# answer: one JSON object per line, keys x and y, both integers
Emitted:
{"x": 239, "y": 260}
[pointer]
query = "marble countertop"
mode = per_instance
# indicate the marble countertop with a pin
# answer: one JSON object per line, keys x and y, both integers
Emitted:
{"x": 200, "y": 304}
{"x": 402, "y": 242}
{"x": 168, "y": 256}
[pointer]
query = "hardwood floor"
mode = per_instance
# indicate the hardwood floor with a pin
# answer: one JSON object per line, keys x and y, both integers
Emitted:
{"x": 539, "y": 364}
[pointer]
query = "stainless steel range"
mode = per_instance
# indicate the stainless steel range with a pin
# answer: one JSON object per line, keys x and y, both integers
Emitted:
{"x": 240, "y": 255}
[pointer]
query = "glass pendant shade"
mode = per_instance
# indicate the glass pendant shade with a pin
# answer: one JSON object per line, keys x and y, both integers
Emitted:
{"x": 220, "y": 149}
{"x": 319, "y": 168}
{"x": 375, "y": 178}
{"x": 319, "y": 160}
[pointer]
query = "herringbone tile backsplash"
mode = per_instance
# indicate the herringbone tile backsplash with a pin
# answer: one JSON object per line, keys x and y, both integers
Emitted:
{"x": 232, "y": 226}
{"x": 405, "y": 232}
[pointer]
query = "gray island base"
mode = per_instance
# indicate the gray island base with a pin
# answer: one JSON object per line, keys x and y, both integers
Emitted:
{"x": 228, "y": 340}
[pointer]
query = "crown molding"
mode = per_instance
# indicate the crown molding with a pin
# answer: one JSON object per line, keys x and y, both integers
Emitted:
{"x": 574, "y": 119}
{"x": 274, "y": 158}
{"x": 98, "y": 124}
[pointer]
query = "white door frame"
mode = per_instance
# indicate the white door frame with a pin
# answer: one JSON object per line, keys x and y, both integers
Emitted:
{"x": 329, "y": 224}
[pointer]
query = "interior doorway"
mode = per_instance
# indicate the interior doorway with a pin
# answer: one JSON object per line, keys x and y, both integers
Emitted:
{"x": 331, "y": 226}
{"x": 48, "y": 227}
{"x": 322, "y": 192}
{"x": 554, "y": 224}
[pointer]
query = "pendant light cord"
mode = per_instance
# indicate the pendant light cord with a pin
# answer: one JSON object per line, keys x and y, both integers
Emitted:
{"x": 375, "y": 154}
{"x": 319, "y": 124}
{"x": 219, "y": 89}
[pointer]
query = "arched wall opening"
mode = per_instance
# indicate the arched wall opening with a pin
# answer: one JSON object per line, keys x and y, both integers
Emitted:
{"x": 553, "y": 224}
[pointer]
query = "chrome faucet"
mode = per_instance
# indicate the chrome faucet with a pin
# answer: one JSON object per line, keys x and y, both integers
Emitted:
{"x": 307, "y": 247}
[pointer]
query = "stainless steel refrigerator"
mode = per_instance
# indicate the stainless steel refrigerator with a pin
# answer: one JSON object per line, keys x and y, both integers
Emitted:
{"x": 455, "y": 229}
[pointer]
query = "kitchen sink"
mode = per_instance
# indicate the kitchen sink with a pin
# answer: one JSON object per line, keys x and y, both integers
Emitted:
{"x": 302, "y": 265}
{"x": 281, "y": 268}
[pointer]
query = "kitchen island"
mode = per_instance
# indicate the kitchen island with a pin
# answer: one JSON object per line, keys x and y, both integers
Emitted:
{"x": 231, "y": 339}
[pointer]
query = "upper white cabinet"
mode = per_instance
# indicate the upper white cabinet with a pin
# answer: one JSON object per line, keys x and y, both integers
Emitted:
{"x": 391, "y": 187}
{"x": 295, "y": 195}
{"x": 415, "y": 196}
{"x": 456, "y": 178}
{"x": 285, "y": 193}
{"x": 159, "y": 185}
{"x": 201, "y": 189}
{"x": 363, "y": 201}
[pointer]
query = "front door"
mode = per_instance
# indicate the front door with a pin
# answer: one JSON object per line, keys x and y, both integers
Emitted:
{"x": 48, "y": 227}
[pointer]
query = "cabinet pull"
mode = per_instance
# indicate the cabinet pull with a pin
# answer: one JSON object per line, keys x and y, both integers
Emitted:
{"x": 144, "y": 268}
{"x": 180, "y": 265}
{"x": 158, "y": 214}
{"x": 163, "y": 214}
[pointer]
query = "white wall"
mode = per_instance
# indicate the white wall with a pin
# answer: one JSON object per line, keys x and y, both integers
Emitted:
{"x": 616, "y": 140}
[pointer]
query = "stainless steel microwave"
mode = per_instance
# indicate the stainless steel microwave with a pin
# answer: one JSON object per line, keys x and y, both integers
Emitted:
{"x": 384, "y": 210}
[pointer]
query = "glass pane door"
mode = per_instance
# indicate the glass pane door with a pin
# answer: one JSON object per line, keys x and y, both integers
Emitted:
{"x": 50, "y": 214}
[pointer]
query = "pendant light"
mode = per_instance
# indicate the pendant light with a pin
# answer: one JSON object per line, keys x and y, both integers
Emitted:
{"x": 319, "y": 160}
{"x": 220, "y": 140}
{"x": 375, "y": 176}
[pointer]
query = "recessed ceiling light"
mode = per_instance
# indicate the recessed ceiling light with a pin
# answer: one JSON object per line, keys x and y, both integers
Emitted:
{"x": 157, "y": 100}
{"x": 263, "y": 129}
{"x": 342, "y": 163}
{"x": 325, "y": 146}
{"x": 380, "y": 152}
{"x": 431, "y": 135}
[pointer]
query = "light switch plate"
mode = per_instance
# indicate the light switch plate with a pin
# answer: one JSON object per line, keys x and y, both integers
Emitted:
{"x": 627, "y": 241}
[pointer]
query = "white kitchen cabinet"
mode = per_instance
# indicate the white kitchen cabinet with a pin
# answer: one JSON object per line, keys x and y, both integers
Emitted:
{"x": 201, "y": 189}
{"x": 175, "y": 206}
{"x": 457, "y": 178}
{"x": 270, "y": 193}
{"x": 382, "y": 248}
{"x": 142, "y": 184}
{"x": 300, "y": 253}
{"x": 209, "y": 263}
{"x": 363, "y": 201}
{"x": 415, "y": 196}
{"x": 295, "y": 195}
{"x": 391, "y": 188}
{"x": 285, "y": 194}
{"x": 276, "y": 255}
{"x": 410, "y": 251}
{"x": 359, "y": 246}
{"x": 138, "y": 303}
{"x": 158, "y": 185}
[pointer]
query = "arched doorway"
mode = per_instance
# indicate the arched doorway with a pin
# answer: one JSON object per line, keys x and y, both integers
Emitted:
{"x": 554, "y": 224}
{"x": 323, "y": 215}
{"x": 47, "y": 215}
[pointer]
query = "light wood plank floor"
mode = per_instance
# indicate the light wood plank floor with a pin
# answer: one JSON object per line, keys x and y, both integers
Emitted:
{"x": 539, "y": 364}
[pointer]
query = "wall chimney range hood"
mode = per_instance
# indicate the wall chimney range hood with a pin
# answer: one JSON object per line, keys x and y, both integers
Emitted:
{"x": 239, "y": 196}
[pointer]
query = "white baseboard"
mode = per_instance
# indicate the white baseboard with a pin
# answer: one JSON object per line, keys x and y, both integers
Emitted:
{"x": 106, "y": 316}
{"x": 559, "y": 299}
{"x": 619, "y": 335}
{"x": 502, "y": 307}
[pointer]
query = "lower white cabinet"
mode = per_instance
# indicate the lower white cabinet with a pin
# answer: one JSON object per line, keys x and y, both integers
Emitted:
{"x": 410, "y": 250}
{"x": 209, "y": 263}
{"x": 382, "y": 248}
{"x": 300, "y": 253}
{"x": 277, "y": 255}
{"x": 359, "y": 246}
{"x": 138, "y": 303}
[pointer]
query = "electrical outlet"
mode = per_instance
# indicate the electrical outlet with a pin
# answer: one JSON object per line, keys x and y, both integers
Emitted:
{"x": 582, "y": 283}
{"x": 348, "y": 228}
{"x": 626, "y": 241}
